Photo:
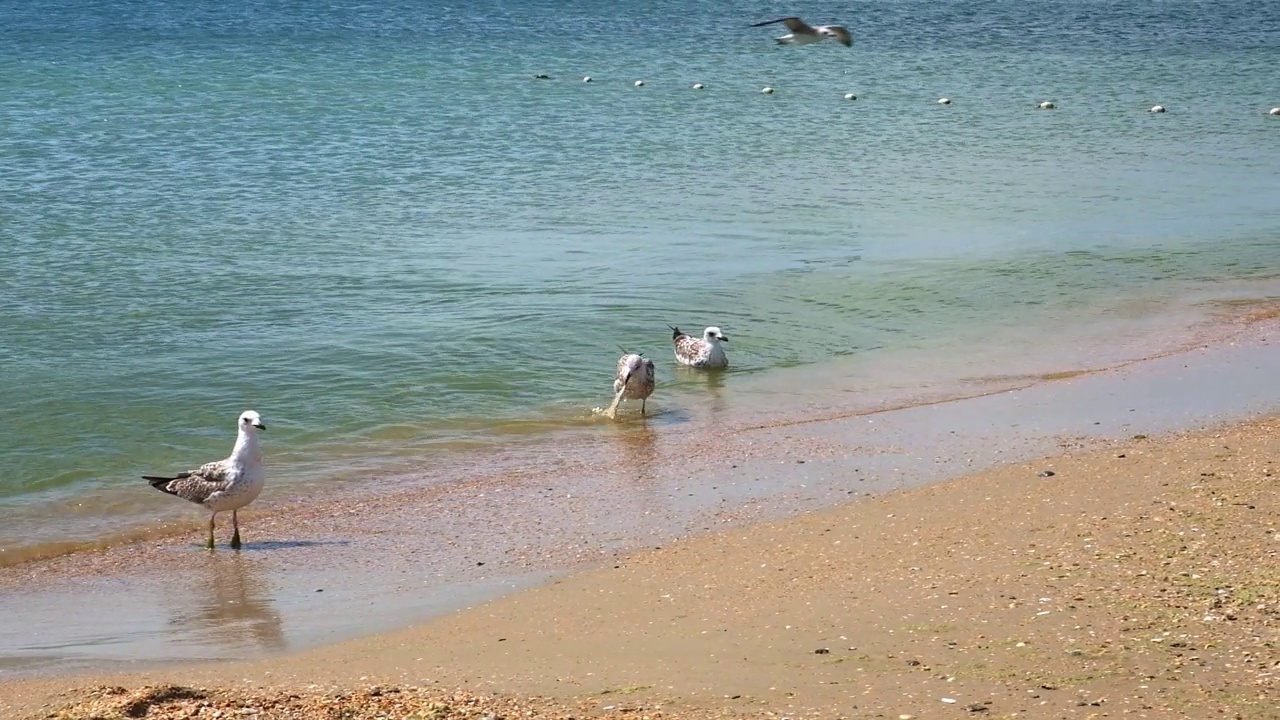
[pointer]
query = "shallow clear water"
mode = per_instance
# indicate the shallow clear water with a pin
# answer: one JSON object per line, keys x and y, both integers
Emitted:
{"x": 372, "y": 225}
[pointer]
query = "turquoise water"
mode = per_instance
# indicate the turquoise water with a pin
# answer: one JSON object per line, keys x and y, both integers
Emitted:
{"x": 375, "y": 227}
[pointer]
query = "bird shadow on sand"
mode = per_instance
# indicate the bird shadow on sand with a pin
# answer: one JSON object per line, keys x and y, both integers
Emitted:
{"x": 268, "y": 545}
{"x": 288, "y": 544}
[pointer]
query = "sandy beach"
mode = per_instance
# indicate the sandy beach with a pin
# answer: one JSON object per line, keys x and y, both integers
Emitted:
{"x": 1139, "y": 578}
{"x": 996, "y": 437}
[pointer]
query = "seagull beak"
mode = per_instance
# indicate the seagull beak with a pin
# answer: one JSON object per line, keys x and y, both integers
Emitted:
{"x": 260, "y": 426}
{"x": 724, "y": 338}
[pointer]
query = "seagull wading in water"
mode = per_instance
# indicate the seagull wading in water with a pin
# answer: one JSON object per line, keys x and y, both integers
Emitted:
{"x": 633, "y": 381}
{"x": 223, "y": 485}
{"x": 705, "y": 352}
{"x": 805, "y": 34}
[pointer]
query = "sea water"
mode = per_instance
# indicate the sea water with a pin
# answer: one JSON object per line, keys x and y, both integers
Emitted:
{"x": 371, "y": 223}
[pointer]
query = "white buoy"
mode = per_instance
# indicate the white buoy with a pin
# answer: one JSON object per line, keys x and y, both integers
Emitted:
{"x": 1157, "y": 108}
{"x": 1046, "y": 105}
{"x": 586, "y": 79}
{"x": 1274, "y": 111}
{"x": 944, "y": 101}
{"x": 639, "y": 83}
{"x": 698, "y": 86}
{"x": 850, "y": 96}
{"x": 767, "y": 90}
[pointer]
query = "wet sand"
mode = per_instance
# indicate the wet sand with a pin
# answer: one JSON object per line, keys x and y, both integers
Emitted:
{"x": 916, "y": 592}
{"x": 1139, "y": 579}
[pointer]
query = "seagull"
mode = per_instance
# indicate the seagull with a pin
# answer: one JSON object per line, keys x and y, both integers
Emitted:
{"x": 803, "y": 34}
{"x": 700, "y": 353}
{"x": 223, "y": 485}
{"x": 634, "y": 381}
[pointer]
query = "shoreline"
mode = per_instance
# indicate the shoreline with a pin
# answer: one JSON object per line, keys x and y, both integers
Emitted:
{"x": 1141, "y": 578}
{"x": 821, "y": 394}
{"x": 425, "y": 561}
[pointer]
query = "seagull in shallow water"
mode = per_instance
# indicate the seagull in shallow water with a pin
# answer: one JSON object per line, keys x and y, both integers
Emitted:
{"x": 704, "y": 352}
{"x": 633, "y": 381}
{"x": 805, "y": 34}
{"x": 223, "y": 485}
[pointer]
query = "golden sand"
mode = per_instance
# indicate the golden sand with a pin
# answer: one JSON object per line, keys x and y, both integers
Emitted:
{"x": 1139, "y": 580}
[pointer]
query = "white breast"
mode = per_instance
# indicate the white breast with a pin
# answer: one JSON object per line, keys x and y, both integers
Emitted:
{"x": 244, "y": 490}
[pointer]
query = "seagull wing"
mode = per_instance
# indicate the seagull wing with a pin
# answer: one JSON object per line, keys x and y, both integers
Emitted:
{"x": 794, "y": 24}
{"x": 691, "y": 349}
{"x": 841, "y": 34}
{"x": 195, "y": 485}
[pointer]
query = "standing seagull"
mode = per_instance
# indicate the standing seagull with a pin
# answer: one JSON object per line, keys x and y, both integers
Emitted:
{"x": 634, "y": 381}
{"x": 805, "y": 34}
{"x": 228, "y": 484}
{"x": 700, "y": 353}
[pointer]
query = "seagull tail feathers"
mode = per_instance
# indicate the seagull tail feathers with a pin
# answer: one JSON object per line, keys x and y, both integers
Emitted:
{"x": 162, "y": 483}
{"x": 675, "y": 332}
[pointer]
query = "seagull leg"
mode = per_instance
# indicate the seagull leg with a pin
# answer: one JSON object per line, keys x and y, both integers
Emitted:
{"x": 641, "y": 406}
{"x": 235, "y": 536}
{"x": 209, "y": 544}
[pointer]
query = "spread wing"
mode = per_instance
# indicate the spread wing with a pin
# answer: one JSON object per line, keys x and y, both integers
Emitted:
{"x": 841, "y": 34}
{"x": 794, "y": 24}
{"x": 194, "y": 485}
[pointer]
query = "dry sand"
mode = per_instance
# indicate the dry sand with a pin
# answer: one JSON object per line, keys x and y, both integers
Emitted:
{"x": 1140, "y": 580}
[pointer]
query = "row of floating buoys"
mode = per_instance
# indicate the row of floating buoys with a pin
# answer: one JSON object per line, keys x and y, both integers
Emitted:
{"x": 1045, "y": 105}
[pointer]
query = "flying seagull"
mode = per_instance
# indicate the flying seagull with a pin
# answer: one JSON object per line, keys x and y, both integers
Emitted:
{"x": 704, "y": 352}
{"x": 224, "y": 485}
{"x": 634, "y": 381}
{"x": 805, "y": 34}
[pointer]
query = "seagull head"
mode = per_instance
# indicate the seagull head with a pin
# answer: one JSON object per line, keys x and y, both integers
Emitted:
{"x": 713, "y": 334}
{"x": 250, "y": 421}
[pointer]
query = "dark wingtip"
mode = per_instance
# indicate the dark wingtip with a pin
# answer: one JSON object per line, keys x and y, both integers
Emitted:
{"x": 675, "y": 332}
{"x": 160, "y": 483}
